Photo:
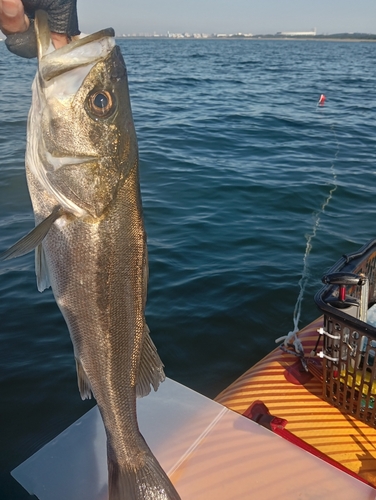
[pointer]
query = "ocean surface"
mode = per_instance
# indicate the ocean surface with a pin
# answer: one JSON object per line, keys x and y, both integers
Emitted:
{"x": 250, "y": 191}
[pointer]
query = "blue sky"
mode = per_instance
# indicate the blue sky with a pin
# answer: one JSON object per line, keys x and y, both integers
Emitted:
{"x": 228, "y": 16}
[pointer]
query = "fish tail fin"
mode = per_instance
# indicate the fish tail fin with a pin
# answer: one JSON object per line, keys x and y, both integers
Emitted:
{"x": 147, "y": 482}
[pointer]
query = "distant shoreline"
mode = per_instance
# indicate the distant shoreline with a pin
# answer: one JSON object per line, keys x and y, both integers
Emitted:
{"x": 317, "y": 38}
{"x": 253, "y": 38}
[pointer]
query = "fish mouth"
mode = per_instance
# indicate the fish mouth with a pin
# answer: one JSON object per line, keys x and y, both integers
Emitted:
{"x": 53, "y": 62}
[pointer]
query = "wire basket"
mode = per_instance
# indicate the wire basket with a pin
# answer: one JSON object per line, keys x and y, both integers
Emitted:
{"x": 349, "y": 340}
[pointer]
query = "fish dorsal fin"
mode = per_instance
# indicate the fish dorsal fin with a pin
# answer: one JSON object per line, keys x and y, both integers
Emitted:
{"x": 41, "y": 269}
{"x": 83, "y": 382}
{"x": 151, "y": 367}
{"x": 34, "y": 238}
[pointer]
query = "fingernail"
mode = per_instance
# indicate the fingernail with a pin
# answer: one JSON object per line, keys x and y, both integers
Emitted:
{"x": 10, "y": 9}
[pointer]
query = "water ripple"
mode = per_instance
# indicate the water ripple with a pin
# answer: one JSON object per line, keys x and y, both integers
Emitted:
{"x": 236, "y": 162}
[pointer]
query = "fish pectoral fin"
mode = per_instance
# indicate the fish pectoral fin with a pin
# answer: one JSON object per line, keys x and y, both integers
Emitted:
{"x": 34, "y": 238}
{"x": 41, "y": 269}
{"x": 151, "y": 367}
{"x": 83, "y": 382}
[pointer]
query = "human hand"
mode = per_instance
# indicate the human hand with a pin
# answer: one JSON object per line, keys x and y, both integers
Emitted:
{"x": 12, "y": 17}
{"x": 15, "y": 22}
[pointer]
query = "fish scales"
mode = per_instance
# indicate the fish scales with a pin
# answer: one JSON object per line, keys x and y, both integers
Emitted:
{"x": 82, "y": 173}
{"x": 107, "y": 259}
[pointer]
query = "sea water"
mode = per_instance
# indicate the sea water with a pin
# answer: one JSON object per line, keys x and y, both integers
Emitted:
{"x": 250, "y": 191}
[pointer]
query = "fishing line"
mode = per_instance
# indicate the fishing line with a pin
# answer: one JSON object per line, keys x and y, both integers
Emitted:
{"x": 291, "y": 339}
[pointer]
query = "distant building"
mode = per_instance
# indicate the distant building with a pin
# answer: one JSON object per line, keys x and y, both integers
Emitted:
{"x": 233, "y": 35}
{"x": 174, "y": 35}
{"x": 298, "y": 33}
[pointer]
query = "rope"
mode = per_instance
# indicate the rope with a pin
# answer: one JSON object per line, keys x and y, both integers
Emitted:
{"x": 291, "y": 338}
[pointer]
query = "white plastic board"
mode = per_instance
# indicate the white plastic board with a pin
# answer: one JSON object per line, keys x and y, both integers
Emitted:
{"x": 209, "y": 452}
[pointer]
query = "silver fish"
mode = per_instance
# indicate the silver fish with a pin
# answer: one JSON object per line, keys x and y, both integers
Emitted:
{"x": 82, "y": 174}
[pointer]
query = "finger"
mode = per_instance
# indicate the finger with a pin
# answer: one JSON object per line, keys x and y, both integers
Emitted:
{"x": 12, "y": 17}
{"x": 63, "y": 22}
{"x": 59, "y": 39}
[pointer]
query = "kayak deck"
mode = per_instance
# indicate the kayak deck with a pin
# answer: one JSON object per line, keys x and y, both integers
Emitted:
{"x": 339, "y": 436}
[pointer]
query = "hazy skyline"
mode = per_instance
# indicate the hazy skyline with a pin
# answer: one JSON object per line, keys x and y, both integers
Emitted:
{"x": 225, "y": 16}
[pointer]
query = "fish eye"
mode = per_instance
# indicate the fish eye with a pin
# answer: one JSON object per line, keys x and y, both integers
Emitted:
{"x": 101, "y": 103}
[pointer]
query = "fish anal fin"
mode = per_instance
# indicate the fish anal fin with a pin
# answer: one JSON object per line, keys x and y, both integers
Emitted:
{"x": 34, "y": 238}
{"x": 151, "y": 367}
{"x": 83, "y": 382}
{"x": 41, "y": 269}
